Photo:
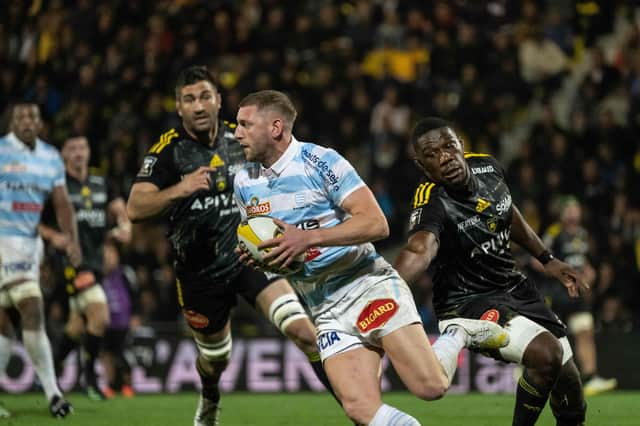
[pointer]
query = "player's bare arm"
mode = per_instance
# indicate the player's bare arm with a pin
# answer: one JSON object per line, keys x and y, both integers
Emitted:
{"x": 117, "y": 209}
{"x": 147, "y": 200}
{"x": 57, "y": 239}
{"x": 416, "y": 256}
{"x": 525, "y": 236}
{"x": 66, "y": 217}
{"x": 366, "y": 224}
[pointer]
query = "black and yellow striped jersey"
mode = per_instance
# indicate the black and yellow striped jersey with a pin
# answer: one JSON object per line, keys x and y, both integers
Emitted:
{"x": 473, "y": 229}
{"x": 202, "y": 227}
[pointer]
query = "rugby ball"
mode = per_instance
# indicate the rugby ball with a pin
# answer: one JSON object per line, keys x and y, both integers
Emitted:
{"x": 254, "y": 230}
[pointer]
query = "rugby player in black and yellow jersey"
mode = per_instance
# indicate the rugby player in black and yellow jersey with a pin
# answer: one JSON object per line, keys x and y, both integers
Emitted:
{"x": 462, "y": 222}
{"x": 187, "y": 177}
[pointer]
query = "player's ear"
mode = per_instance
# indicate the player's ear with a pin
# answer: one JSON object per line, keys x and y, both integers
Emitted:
{"x": 418, "y": 163}
{"x": 277, "y": 128}
{"x": 178, "y": 108}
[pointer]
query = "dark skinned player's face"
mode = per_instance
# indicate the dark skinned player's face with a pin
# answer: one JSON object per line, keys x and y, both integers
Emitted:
{"x": 439, "y": 152}
{"x": 198, "y": 105}
{"x": 26, "y": 122}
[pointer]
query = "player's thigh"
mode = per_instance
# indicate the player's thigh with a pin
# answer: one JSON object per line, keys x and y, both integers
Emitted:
{"x": 206, "y": 306}
{"x": 27, "y": 298}
{"x": 75, "y": 324}
{"x": 410, "y": 352}
{"x": 354, "y": 375}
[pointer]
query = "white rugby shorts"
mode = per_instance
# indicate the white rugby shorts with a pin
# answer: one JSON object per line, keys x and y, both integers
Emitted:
{"x": 19, "y": 259}
{"x": 363, "y": 318}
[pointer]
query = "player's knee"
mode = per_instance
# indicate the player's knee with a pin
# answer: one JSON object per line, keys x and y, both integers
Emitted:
{"x": 359, "y": 410}
{"x": 302, "y": 333}
{"x": 284, "y": 311}
{"x": 215, "y": 353}
{"x": 432, "y": 388}
{"x": 98, "y": 319}
{"x": 31, "y": 315}
{"x": 544, "y": 356}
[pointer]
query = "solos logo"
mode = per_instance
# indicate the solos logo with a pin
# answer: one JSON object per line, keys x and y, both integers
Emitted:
{"x": 256, "y": 208}
{"x": 195, "y": 319}
{"x": 376, "y": 314}
{"x": 491, "y": 315}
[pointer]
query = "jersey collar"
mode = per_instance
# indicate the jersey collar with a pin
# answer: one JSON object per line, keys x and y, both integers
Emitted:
{"x": 287, "y": 157}
{"x": 19, "y": 145}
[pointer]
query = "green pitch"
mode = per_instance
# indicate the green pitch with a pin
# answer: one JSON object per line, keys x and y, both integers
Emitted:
{"x": 301, "y": 409}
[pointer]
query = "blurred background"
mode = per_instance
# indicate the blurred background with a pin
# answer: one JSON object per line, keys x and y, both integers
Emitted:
{"x": 550, "y": 88}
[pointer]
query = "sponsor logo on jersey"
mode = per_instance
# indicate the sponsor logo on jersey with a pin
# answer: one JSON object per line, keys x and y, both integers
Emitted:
{"x": 24, "y": 207}
{"x": 12, "y": 268}
{"x": 220, "y": 201}
{"x": 147, "y": 166}
{"x": 311, "y": 254}
{"x": 376, "y": 314}
{"x": 195, "y": 319}
{"x": 504, "y": 204}
{"x": 414, "y": 219}
{"x": 482, "y": 205}
{"x": 256, "y": 208}
{"x": 468, "y": 223}
{"x": 482, "y": 170}
{"x": 94, "y": 217}
{"x": 327, "y": 339}
{"x": 497, "y": 245}
{"x": 14, "y": 168}
{"x": 216, "y": 161}
{"x": 327, "y": 174}
{"x": 491, "y": 315}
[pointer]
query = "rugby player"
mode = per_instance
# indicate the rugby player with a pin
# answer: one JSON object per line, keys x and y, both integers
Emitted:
{"x": 187, "y": 177}
{"x": 359, "y": 304}
{"x": 462, "y": 222}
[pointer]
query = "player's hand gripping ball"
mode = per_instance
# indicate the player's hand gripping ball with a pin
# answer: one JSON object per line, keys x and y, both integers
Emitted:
{"x": 253, "y": 231}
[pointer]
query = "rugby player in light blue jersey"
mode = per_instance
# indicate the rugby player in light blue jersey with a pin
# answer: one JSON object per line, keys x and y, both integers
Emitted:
{"x": 359, "y": 304}
{"x": 30, "y": 171}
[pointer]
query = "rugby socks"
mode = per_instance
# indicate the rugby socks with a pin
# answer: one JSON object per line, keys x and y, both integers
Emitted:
{"x": 530, "y": 401}
{"x": 210, "y": 389}
{"x": 65, "y": 345}
{"x": 5, "y": 354}
{"x": 37, "y": 345}
{"x": 316, "y": 364}
{"x": 92, "y": 345}
{"x": 447, "y": 348}
{"x": 387, "y": 415}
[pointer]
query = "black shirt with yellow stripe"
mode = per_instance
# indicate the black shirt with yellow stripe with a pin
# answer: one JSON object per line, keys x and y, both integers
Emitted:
{"x": 473, "y": 229}
{"x": 202, "y": 227}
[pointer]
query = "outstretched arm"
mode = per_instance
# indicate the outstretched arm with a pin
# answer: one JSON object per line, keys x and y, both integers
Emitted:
{"x": 522, "y": 234}
{"x": 416, "y": 256}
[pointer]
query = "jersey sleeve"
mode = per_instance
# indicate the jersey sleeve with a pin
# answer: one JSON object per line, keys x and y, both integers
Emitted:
{"x": 339, "y": 177}
{"x": 157, "y": 168}
{"x": 427, "y": 214}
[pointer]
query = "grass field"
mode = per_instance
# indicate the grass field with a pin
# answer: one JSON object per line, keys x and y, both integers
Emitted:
{"x": 302, "y": 409}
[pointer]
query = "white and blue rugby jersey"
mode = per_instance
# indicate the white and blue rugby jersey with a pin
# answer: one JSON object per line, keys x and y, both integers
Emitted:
{"x": 306, "y": 187}
{"x": 27, "y": 177}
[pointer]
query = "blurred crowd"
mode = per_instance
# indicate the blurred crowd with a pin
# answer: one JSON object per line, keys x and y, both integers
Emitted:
{"x": 531, "y": 82}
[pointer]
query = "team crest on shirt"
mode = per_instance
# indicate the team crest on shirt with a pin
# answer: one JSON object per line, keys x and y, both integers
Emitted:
{"x": 491, "y": 315}
{"x": 492, "y": 224}
{"x": 376, "y": 314}
{"x": 147, "y": 166}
